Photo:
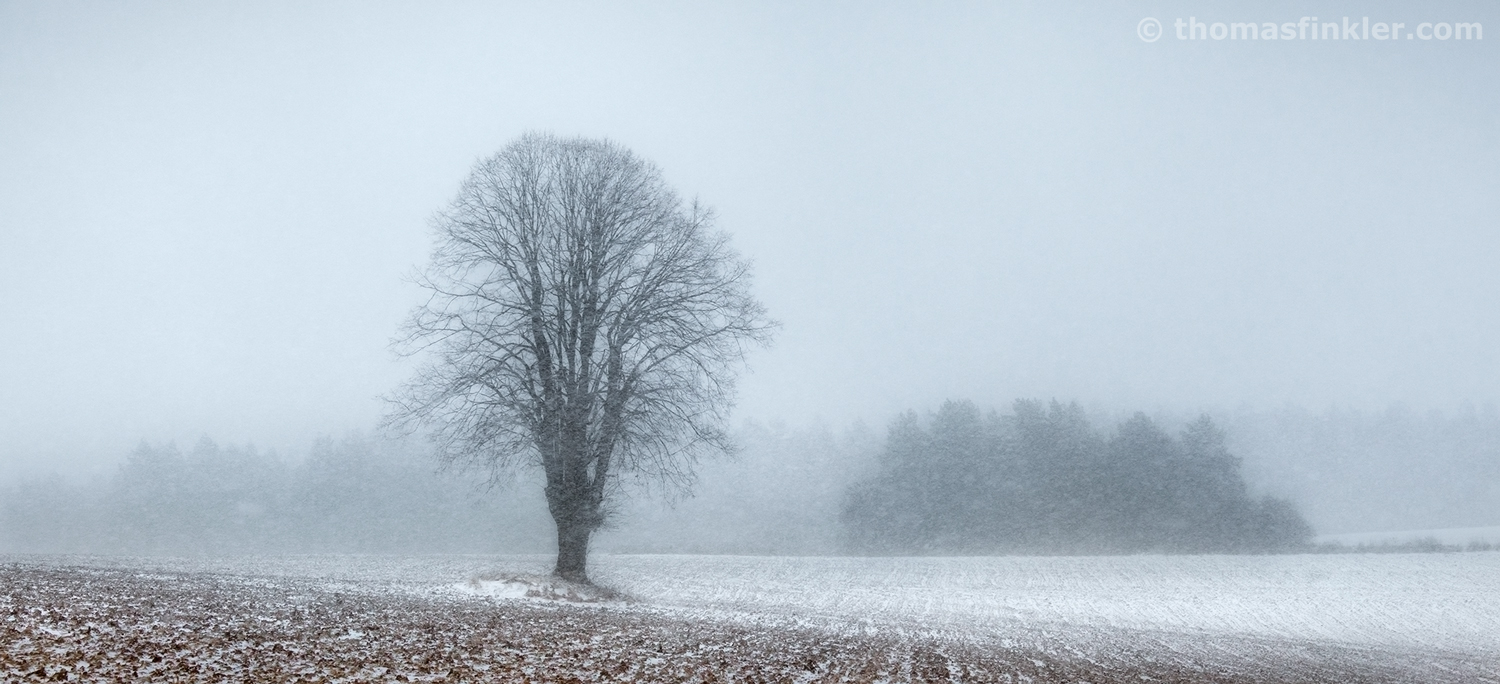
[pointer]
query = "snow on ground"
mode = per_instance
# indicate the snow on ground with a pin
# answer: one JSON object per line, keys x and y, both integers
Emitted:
{"x": 534, "y": 586}
{"x": 1411, "y": 600}
{"x": 63, "y": 622}
{"x": 1434, "y": 616}
{"x": 1436, "y": 600}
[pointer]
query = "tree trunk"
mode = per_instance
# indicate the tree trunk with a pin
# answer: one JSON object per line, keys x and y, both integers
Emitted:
{"x": 572, "y": 549}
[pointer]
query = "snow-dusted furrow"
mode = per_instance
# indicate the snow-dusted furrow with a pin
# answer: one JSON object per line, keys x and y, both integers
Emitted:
{"x": 1426, "y": 614}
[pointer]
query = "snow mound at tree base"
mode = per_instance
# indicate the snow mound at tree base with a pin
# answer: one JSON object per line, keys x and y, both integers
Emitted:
{"x": 532, "y": 586}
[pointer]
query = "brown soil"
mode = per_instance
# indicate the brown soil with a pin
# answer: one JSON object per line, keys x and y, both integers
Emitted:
{"x": 115, "y": 625}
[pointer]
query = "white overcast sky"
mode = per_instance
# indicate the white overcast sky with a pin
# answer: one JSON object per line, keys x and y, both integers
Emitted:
{"x": 207, "y": 209}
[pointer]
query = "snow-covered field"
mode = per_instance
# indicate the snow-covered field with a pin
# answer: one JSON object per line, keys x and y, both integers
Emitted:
{"x": 1396, "y": 617}
{"x": 1412, "y": 600}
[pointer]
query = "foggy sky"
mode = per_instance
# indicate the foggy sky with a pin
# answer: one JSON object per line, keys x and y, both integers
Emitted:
{"x": 207, "y": 210}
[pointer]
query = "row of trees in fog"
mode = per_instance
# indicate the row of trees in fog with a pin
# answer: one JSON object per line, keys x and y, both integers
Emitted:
{"x": 355, "y": 495}
{"x": 1043, "y": 479}
{"x": 778, "y": 495}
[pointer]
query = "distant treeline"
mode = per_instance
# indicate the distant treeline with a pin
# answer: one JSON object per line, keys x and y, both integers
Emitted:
{"x": 355, "y": 496}
{"x": 1040, "y": 480}
{"x": 1043, "y": 480}
{"x": 778, "y": 495}
{"x": 1424, "y": 545}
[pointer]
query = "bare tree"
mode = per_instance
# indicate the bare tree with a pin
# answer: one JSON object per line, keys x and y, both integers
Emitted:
{"x": 583, "y": 320}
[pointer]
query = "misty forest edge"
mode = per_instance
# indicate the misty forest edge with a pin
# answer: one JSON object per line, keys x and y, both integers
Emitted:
{"x": 364, "y": 494}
